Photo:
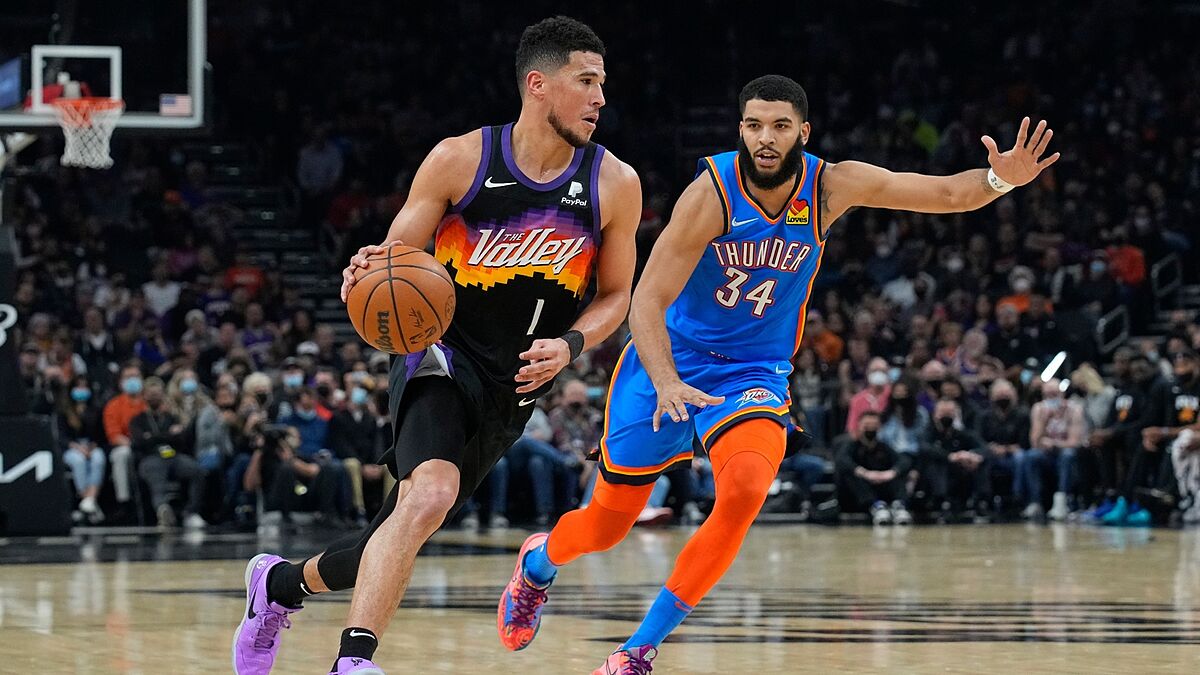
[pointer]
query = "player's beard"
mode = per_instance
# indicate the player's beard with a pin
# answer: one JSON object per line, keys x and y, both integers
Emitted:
{"x": 573, "y": 139}
{"x": 789, "y": 165}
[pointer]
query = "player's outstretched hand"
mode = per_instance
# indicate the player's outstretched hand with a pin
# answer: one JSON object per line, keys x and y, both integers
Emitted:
{"x": 546, "y": 358}
{"x": 674, "y": 398}
{"x": 360, "y": 260}
{"x": 1022, "y": 164}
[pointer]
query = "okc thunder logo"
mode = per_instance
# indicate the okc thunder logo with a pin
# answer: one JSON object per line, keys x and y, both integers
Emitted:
{"x": 756, "y": 395}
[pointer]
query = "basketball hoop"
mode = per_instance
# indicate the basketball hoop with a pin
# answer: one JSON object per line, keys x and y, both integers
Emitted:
{"x": 88, "y": 124}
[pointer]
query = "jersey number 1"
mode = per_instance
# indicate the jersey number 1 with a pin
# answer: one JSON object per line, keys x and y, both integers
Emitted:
{"x": 537, "y": 314}
{"x": 729, "y": 294}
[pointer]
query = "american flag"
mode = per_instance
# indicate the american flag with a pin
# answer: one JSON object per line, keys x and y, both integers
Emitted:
{"x": 174, "y": 104}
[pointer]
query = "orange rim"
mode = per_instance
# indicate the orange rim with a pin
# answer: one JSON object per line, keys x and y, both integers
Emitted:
{"x": 81, "y": 109}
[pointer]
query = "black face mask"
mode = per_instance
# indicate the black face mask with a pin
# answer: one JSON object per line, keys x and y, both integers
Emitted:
{"x": 947, "y": 423}
{"x": 575, "y": 406}
{"x": 1003, "y": 404}
{"x": 935, "y": 385}
{"x": 261, "y": 397}
{"x": 324, "y": 391}
{"x": 869, "y": 434}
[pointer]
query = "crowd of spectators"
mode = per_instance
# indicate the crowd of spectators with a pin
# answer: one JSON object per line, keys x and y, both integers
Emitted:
{"x": 188, "y": 380}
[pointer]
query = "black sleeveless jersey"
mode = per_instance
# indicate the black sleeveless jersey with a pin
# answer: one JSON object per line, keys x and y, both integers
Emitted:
{"x": 521, "y": 253}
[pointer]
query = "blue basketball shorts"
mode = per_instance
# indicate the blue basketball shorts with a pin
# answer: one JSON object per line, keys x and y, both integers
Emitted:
{"x": 632, "y": 453}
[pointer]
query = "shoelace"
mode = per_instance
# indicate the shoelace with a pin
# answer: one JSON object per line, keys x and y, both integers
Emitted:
{"x": 272, "y": 623}
{"x": 639, "y": 665}
{"x": 526, "y": 601}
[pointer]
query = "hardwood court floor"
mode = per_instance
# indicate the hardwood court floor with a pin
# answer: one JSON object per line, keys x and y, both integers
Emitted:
{"x": 801, "y": 599}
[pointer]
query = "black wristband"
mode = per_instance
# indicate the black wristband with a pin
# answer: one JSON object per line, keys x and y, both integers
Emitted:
{"x": 574, "y": 340}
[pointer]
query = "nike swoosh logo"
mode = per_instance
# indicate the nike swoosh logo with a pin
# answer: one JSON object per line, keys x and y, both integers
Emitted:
{"x": 251, "y": 614}
{"x": 526, "y": 401}
{"x": 780, "y": 372}
{"x": 355, "y": 633}
{"x": 738, "y": 223}
{"x": 489, "y": 184}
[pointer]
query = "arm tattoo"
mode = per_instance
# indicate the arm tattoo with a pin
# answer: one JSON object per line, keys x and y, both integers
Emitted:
{"x": 983, "y": 181}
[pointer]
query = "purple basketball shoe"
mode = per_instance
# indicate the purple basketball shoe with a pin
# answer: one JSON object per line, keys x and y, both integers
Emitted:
{"x": 257, "y": 638}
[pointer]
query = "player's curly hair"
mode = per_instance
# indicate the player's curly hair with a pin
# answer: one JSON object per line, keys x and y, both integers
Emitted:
{"x": 775, "y": 88}
{"x": 547, "y": 45}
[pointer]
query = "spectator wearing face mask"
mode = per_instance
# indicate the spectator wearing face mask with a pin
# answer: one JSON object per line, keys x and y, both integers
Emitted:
{"x": 1056, "y": 432}
{"x": 291, "y": 381}
{"x": 186, "y": 396}
{"x": 873, "y": 398}
{"x": 955, "y": 464}
{"x": 79, "y": 428}
{"x": 883, "y": 266}
{"x": 1020, "y": 282}
{"x": 1039, "y": 323}
{"x": 1005, "y": 430}
{"x": 904, "y": 429}
{"x": 329, "y": 396}
{"x": 868, "y": 476}
{"x": 1097, "y": 290}
{"x": 352, "y": 440}
{"x": 955, "y": 274}
{"x": 1012, "y": 344}
{"x": 312, "y": 463}
{"x": 214, "y": 423}
{"x": 164, "y": 456}
{"x": 912, "y": 286}
{"x": 212, "y": 360}
{"x": 932, "y": 374}
{"x": 1112, "y": 443}
{"x": 314, "y": 431}
{"x": 118, "y": 413}
{"x": 969, "y": 413}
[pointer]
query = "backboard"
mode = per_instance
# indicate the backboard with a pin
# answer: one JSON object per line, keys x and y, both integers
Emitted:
{"x": 151, "y": 53}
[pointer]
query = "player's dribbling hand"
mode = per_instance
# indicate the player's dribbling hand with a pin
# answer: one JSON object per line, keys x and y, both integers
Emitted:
{"x": 1021, "y": 164}
{"x": 674, "y": 398}
{"x": 546, "y": 358}
{"x": 359, "y": 260}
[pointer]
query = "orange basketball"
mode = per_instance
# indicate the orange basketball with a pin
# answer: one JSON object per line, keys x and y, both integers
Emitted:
{"x": 403, "y": 302}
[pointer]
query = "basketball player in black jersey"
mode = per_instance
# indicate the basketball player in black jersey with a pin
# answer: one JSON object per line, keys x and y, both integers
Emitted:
{"x": 530, "y": 219}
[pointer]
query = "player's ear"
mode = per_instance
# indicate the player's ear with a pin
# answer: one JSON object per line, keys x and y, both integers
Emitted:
{"x": 805, "y": 130}
{"x": 535, "y": 84}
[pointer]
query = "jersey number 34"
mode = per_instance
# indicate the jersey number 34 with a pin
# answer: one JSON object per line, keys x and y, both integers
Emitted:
{"x": 731, "y": 293}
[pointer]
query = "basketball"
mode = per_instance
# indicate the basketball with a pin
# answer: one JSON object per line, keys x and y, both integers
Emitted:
{"x": 403, "y": 302}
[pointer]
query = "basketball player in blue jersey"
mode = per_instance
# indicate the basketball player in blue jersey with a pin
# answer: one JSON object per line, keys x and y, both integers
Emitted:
{"x": 530, "y": 219}
{"x": 716, "y": 319}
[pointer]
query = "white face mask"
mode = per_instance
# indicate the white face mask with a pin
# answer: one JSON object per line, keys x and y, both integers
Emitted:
{"x": 877, "y": 378}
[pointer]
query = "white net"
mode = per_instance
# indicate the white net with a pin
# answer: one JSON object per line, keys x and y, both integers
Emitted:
{"x": 88, "y": 125}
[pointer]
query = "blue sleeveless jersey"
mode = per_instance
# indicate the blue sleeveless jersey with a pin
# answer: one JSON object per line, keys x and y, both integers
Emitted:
{"x": 746, "y": 299}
